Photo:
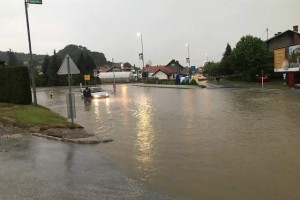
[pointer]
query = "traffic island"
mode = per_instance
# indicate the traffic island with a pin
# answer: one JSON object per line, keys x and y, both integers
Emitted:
{"x": 73, "y": 135}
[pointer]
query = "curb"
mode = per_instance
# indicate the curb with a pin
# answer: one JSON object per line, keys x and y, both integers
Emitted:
{"x": 170, "y": 86}
{"x": 88, "y": 140}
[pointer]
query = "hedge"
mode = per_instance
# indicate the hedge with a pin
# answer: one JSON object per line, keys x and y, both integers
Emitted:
{"x": 15, "y": 85}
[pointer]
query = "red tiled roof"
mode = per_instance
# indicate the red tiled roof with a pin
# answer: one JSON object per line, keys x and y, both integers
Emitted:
{"x": 105, "y": 69}
{"x": 163, "y": 68}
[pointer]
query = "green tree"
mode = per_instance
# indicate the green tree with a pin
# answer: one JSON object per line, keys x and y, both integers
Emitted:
{"x": 54, "y": 64}
{"x": 12, "y": 59}
{"x": 45, "y": 66}
{"x": 75, "y": 52}
{"x": 250, "y": 56}
{"x": 226, "y": 62}
{"x": 90, "y": 64}
{"x": 80, "y": 63}
{"x": 212, "y": 69}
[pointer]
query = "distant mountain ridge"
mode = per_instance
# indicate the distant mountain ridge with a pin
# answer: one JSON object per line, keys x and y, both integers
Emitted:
{"x": 73, "y": 50}
{"x": 21, "y": 56}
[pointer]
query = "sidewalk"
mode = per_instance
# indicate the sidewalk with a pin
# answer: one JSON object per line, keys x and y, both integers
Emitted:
{"x": 170, "y": 86}
{"x": 34, "y": 168}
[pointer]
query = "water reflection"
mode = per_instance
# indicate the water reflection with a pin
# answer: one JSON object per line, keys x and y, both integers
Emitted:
{"x": 107, "y": 106}
{"x": 195, "y": 142}
{"x": 145, "y": 135}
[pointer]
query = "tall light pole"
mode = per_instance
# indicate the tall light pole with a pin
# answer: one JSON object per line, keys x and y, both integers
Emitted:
{"x": 188, "y": 58}
{"x": 30, "y": 51}
{"x": 139, "y": 34}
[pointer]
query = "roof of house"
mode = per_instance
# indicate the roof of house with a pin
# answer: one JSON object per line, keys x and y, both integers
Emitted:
{"x": 175, "y": 62}
{"x": 106, "y": 69}
{"x": 163, "y": 68}
{"x": 281, "y": 34}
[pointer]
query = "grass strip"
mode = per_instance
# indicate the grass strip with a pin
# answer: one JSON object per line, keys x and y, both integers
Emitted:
{"x": 30, "y": 115}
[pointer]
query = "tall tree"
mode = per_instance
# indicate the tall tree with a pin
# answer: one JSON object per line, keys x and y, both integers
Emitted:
{"x": 80, "y": 63}
{"x": 55, "y": 62}
{"x": 212, "y": 69}
{"x": 12, "y": 59}
{"x": 90, "y": 64}
{"x": 226, "y": 64}
{"x": 250, "y": 56}
{"x": 45, "y": 66}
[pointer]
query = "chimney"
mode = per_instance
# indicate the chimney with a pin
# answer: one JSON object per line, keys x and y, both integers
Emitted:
{"x": 296, "y": 35}
{"x": 295, "y": 28}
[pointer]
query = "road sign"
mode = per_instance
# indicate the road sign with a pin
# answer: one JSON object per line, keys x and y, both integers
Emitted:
{"x": 69, "y": 67}
{"x": 34, "y": 1}
{"x": 64, "y": 67}
{"x": 95, "y": 72}
{"x": 87, "y": 77}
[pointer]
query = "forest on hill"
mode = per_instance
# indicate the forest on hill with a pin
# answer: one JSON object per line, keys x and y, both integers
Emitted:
{"x": 73, "y": 50}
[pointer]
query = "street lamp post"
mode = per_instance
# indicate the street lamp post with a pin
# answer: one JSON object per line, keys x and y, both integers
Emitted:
{"x": 30, "y": 51}
{"x": 188, "y": 58}
{"x": 139, "y": 34}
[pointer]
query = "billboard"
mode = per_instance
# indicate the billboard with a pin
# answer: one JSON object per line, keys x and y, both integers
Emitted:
{"x": 287, "y": 59}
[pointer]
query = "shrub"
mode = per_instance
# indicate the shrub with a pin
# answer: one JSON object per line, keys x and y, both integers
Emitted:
{"x": 15, "y": 85}
{"x": 193, "y": 82}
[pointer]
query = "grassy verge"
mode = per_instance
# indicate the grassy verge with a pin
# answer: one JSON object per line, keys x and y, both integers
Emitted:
{"x": 272, "y": 84}
{"x": 29, "y": 115}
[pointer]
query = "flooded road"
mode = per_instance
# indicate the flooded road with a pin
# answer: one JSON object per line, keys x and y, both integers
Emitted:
{"x": 220, "y": 144}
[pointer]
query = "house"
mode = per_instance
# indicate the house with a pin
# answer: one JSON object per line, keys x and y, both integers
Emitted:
{"x": 176, "y": 67}
{"x": 117, "y": 67}
{"x": 284, "y": 39}
{"x": 161, "y": 72}
{"x": 285, "y": 46}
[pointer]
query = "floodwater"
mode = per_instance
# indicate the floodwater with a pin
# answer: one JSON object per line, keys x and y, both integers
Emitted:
{"x": 212, "y": 144}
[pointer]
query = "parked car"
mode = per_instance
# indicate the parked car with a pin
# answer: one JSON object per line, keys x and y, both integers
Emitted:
{"x": 260, "y": 77}
{"x": 96, "y": 92}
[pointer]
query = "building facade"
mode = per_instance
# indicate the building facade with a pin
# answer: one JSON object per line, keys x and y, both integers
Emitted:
{"x": 282, "y": 43}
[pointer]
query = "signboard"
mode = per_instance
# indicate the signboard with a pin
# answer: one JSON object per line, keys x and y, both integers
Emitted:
{"x": 287, "y": 59}
{"x": 294, "y": 58}
{"x": 141, "y": 57}
{"x": 64, "y": 66}
{"x": 193, "y": 68}
{"x": 95, "y": 72}
{"x": 34, "y": 1}
{"x": 279, "y": 57}
{"x": 87, "y": 77}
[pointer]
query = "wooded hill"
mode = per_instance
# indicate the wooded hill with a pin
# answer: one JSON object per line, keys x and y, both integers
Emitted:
{"x": 73, "y": 50}
{"x": 21, "y": 57}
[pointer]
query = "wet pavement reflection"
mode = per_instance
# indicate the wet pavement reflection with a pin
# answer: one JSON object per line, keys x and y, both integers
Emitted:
{"x": 35, "y": 168}
{"x": 226, "y": 143}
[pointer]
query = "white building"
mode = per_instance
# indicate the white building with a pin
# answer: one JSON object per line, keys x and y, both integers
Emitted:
{"x": 119, "y": 77}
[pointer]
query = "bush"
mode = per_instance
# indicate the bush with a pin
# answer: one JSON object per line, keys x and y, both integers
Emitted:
{"x": 193, "y": 82}
{"x": 15, "y": 85}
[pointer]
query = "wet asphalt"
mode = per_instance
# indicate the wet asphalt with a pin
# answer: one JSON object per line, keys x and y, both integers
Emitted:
{"x": 37, "y": 168}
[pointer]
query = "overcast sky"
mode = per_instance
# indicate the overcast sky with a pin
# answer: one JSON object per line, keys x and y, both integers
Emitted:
{"x": 110, "y": 26}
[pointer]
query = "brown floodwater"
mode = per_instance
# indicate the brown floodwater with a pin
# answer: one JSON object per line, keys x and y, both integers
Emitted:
{"x": 211, "y": 144}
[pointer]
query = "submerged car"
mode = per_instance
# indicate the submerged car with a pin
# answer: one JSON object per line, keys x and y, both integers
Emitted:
{"x": 96, "y": 92}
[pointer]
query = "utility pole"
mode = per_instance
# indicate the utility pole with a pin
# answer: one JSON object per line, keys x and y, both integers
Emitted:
{"x": 267, "y": 33}
{"x": 31, "y": 70}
